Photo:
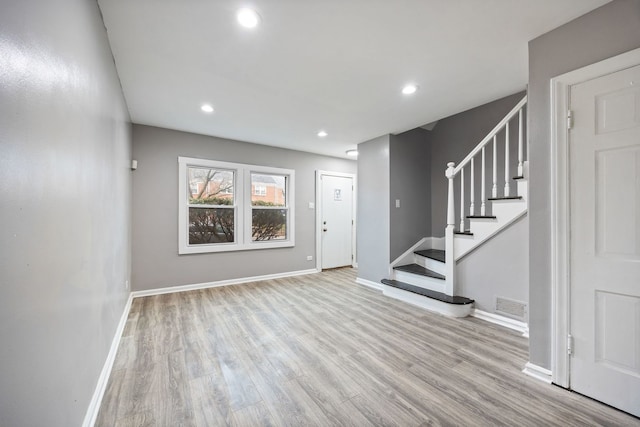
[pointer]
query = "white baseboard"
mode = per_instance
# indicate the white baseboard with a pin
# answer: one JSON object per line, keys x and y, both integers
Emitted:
{"x": 369, "y": 283}
{"x": 537, "y": 372}
{"x": 516, "y": 325}
{"x": 98, "y": 394}
{"x": 184, "y": 288}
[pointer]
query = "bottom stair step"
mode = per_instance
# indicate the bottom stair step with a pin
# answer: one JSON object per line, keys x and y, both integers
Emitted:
{"x": 428, "y": 293}
{"x": 452, "y": 306}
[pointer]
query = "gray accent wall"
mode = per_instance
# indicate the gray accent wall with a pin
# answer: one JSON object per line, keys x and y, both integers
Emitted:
{"x": 497, "y": 268}
{"x": 453, "y": 138}
{"x": 605, "y": 32}
{"x": 410, "y": 182}
{"x": 65, "y": 151}
{"x": 373, "y": 209}
{"x": 156, "y": 263}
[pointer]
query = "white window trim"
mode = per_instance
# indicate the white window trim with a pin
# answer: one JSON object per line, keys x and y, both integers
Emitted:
{"x": 242, "y": 204}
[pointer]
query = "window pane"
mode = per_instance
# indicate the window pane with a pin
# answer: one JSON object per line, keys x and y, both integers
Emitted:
{"x": 210, "y": 186}
{"x": 211, "y": 225}
{"x": 268, "y": 224}
{"x": 268, "y": 190}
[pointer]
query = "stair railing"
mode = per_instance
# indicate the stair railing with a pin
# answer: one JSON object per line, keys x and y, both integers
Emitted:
{"x": 452, "y": 171}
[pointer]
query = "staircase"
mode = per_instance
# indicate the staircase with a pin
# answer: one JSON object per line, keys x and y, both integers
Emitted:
{"x": 425, "y": 275}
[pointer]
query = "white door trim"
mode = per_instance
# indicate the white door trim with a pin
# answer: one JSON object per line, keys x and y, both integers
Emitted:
{"x": 560, "y": 202}
{"x": 319, "y": 174}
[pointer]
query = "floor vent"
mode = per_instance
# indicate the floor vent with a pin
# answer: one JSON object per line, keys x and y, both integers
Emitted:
{"x": 511, "y": 308}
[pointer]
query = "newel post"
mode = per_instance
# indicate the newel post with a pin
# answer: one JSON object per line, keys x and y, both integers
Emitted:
{"x": 451, "y": 223}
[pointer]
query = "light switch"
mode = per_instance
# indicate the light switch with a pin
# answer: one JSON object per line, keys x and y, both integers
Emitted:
{"x": 397, "y": 203}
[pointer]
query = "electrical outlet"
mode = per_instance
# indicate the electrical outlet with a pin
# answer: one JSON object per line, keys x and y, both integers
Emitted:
{"x": 126, "y": 284}
{"x": 309, "y": 258}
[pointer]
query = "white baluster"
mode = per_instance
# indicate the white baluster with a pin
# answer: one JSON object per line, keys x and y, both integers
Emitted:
{"x": 506, "y": 162}
{"x": 520, "y": 137}
{"x": 482, "y": 188}
{"x": 472, "y": 187}
{"x": 494, "y": 189}
{"x": 461, "y": 200}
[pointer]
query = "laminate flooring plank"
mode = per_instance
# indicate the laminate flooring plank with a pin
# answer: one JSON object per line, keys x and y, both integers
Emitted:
{"x": 210, "y": 401}
{"x": 406, "y": 392}
{"x": 330, "y": 381}
{"x": 380, "y": 410}
{"x": 200, "y": 358}
{"x": 322, "y": 350}
{"x": 545, "y": 404}
{"x": 111, "y": 402}
{"x": 468, "y": 403}
{"x": 241, "y": 388}
{"x": 284, "y": 362}
{"x": 126, "y": 355}
{"x": 143, "y": 419}
{"x": 309, "y": 412}
{"x": 254, "y": 415}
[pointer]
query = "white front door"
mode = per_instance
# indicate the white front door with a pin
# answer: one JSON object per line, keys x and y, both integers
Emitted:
{"x": 336, "y": 220}
{"x": 604, "y": 147}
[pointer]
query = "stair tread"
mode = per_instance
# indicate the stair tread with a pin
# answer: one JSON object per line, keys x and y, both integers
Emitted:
{"x": 428, "y": 293}
{"x": 463, "y": 233}
{"x": 418, "y": 269}
{"x": 436, "y": 254}
{"x": 481, "y": 217}
{"x": 506, "y": 198}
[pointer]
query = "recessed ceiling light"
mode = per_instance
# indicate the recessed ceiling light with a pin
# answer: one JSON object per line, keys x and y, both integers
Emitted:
{"x": 248, "y": 18}
{"x": 409, "y": 89}
{"x": 207, "y": 108}
{"x": 322, "y": 134}
{"x": 352, "y": 153}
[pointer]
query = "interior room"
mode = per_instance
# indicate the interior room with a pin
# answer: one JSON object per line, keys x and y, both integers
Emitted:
{"x": 319, "y": 213}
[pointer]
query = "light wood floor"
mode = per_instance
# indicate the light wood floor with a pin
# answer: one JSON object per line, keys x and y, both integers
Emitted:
{"x": 322, "y": 350}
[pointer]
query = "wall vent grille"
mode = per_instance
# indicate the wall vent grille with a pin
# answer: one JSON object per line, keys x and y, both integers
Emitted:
{"x": 511, "y": 308}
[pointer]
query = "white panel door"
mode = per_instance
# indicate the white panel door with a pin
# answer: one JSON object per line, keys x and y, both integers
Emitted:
{"x": 604, "y": 147}
{"x": 336, "y": 220}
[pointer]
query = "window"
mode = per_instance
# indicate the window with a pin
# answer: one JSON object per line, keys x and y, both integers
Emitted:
{"x": 231, "y": 206}
{"x": 259, "y": 190}
{"x": 268, "y": 208}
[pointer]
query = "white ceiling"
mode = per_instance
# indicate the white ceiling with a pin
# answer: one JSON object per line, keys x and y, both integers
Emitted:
{"x": 337, "y": 65}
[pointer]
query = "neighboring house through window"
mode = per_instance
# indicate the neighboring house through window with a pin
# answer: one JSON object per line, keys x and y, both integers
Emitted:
{"x": 231, "y": 206}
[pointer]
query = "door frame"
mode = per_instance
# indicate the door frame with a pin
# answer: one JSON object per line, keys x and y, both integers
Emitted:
{"x": 319, "y": 175}
{"x": 560, "y": 206}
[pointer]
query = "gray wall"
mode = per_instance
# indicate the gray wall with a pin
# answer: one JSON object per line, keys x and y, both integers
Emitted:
{"x": 453, "y": 138}
{"x": 373, "y": 209}
{"x": 500, "y": 267}
{"x": 156, "y": 262}
{"x": 410, "y": 182}
{"x": 610, "y": 30}
{"x": 65, "y": 150}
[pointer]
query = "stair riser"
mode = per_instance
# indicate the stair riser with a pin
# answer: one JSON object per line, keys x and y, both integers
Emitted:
{"x": 452, "y": 310}
{"x": 425, "y": 282}
{"x": 431, "y": 264}
{"x": 523, "y": 188}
